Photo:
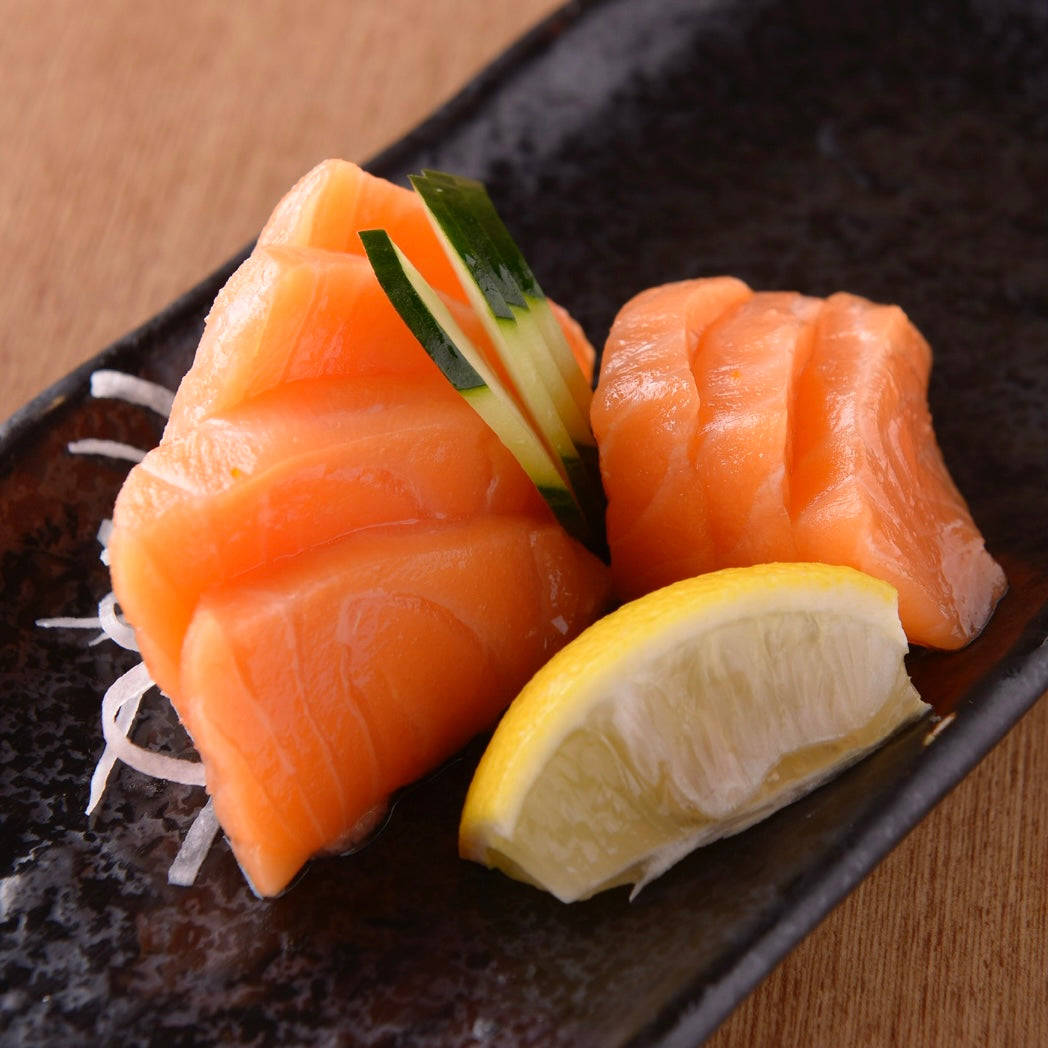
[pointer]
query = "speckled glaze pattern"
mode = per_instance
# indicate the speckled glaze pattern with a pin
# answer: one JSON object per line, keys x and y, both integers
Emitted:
{"x": 897, "y": 150}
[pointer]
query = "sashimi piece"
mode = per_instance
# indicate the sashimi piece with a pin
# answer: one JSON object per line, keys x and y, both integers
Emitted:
{"x": 745, "y": 367}
{"x": 330, "y": 205}
{"x": 292, "y": 313}
{"x": 646, "y": 417}
{"x": 333, "y": 202}
{"x": 288, "y": 314}
{"x": 870, "y": 488}
{"x": 315, "y": 687}
{"x": 294, "y": 468}
{"x": 775, "y": 427}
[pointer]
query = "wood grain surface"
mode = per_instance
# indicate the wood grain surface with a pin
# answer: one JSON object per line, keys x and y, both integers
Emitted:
{"x": 144, "y": 143}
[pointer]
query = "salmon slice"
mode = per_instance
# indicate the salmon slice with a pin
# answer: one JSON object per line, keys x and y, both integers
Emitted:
{"x": 870, "y": 487}
{"x": 384, "y": 652}
{"x": 292, "y": 313}
{"x": 288, "y": 314}
{"x": 746, "y": 366}
{"x": 646, "y": 419}
{"x": 736, "y": 428}
{"x": 328, "y": 207}
{"x": 298, "y": 466}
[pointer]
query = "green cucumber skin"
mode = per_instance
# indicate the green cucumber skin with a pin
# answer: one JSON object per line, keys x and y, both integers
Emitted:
{"x": 414, "y": 312}
{"x": 530, "y": 385}
{"x": 506, "y": 249}
{"x": 549, "y": 397}
{"x": 484, "y": 255}
{"x": 461, "y": 235}
{"x": 520, "y": 288}
{"x": 566, "y": 510}
{"x": 590, "y": 494}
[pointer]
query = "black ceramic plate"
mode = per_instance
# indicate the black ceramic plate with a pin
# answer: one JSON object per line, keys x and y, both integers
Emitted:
{"x": 896, "y": 150}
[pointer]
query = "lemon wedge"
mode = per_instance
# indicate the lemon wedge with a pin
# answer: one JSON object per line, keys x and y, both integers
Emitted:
{"x": 685, "y": 716}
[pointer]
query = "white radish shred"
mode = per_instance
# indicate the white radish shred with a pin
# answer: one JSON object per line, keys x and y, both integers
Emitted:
{"x": 125, "y": 718}
{"x": 67, "y": 622}
{"x": 113, "y": 626}
{"x": 122, "y": 699}
{"x": 135, "y": 683}
{"x": 197, "y": 843}
{"x": 118, "y": 386}
{"x": 105, "y": 529}
{"x": 108, "y": 448}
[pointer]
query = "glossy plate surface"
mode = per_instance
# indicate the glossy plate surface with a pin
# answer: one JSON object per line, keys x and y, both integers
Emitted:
{"x": 896, "y": 150}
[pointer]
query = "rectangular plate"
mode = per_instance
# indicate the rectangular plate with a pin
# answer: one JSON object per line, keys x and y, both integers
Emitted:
{"x": 898, "y": 151}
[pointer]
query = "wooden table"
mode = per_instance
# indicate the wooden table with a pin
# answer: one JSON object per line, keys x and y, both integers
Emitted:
{"x": 143, "y": 143}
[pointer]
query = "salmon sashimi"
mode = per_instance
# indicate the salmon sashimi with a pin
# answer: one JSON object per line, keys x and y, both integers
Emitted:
{"x": 645, "y": 417}
{"x": 329, "y": 206}
{"x": 737, "y": 428}
{"x": 870, "y": 488}
{"x": 302, "y": 306}
{"x": 746, "y": 363}
{"x": 332, "y": 565}
{"x": 295, "y": 313}
{"x": 297, "y": 467}
{"x": 384, "y": 654}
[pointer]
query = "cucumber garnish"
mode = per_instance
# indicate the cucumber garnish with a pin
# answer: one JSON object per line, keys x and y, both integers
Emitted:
{"x": 512, "y": 262}
{"x": 510, "y": 303}
{"x": 458, "y": 358}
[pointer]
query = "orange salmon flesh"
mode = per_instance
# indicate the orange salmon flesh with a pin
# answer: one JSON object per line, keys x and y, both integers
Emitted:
{"x": 738, "y": 428}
